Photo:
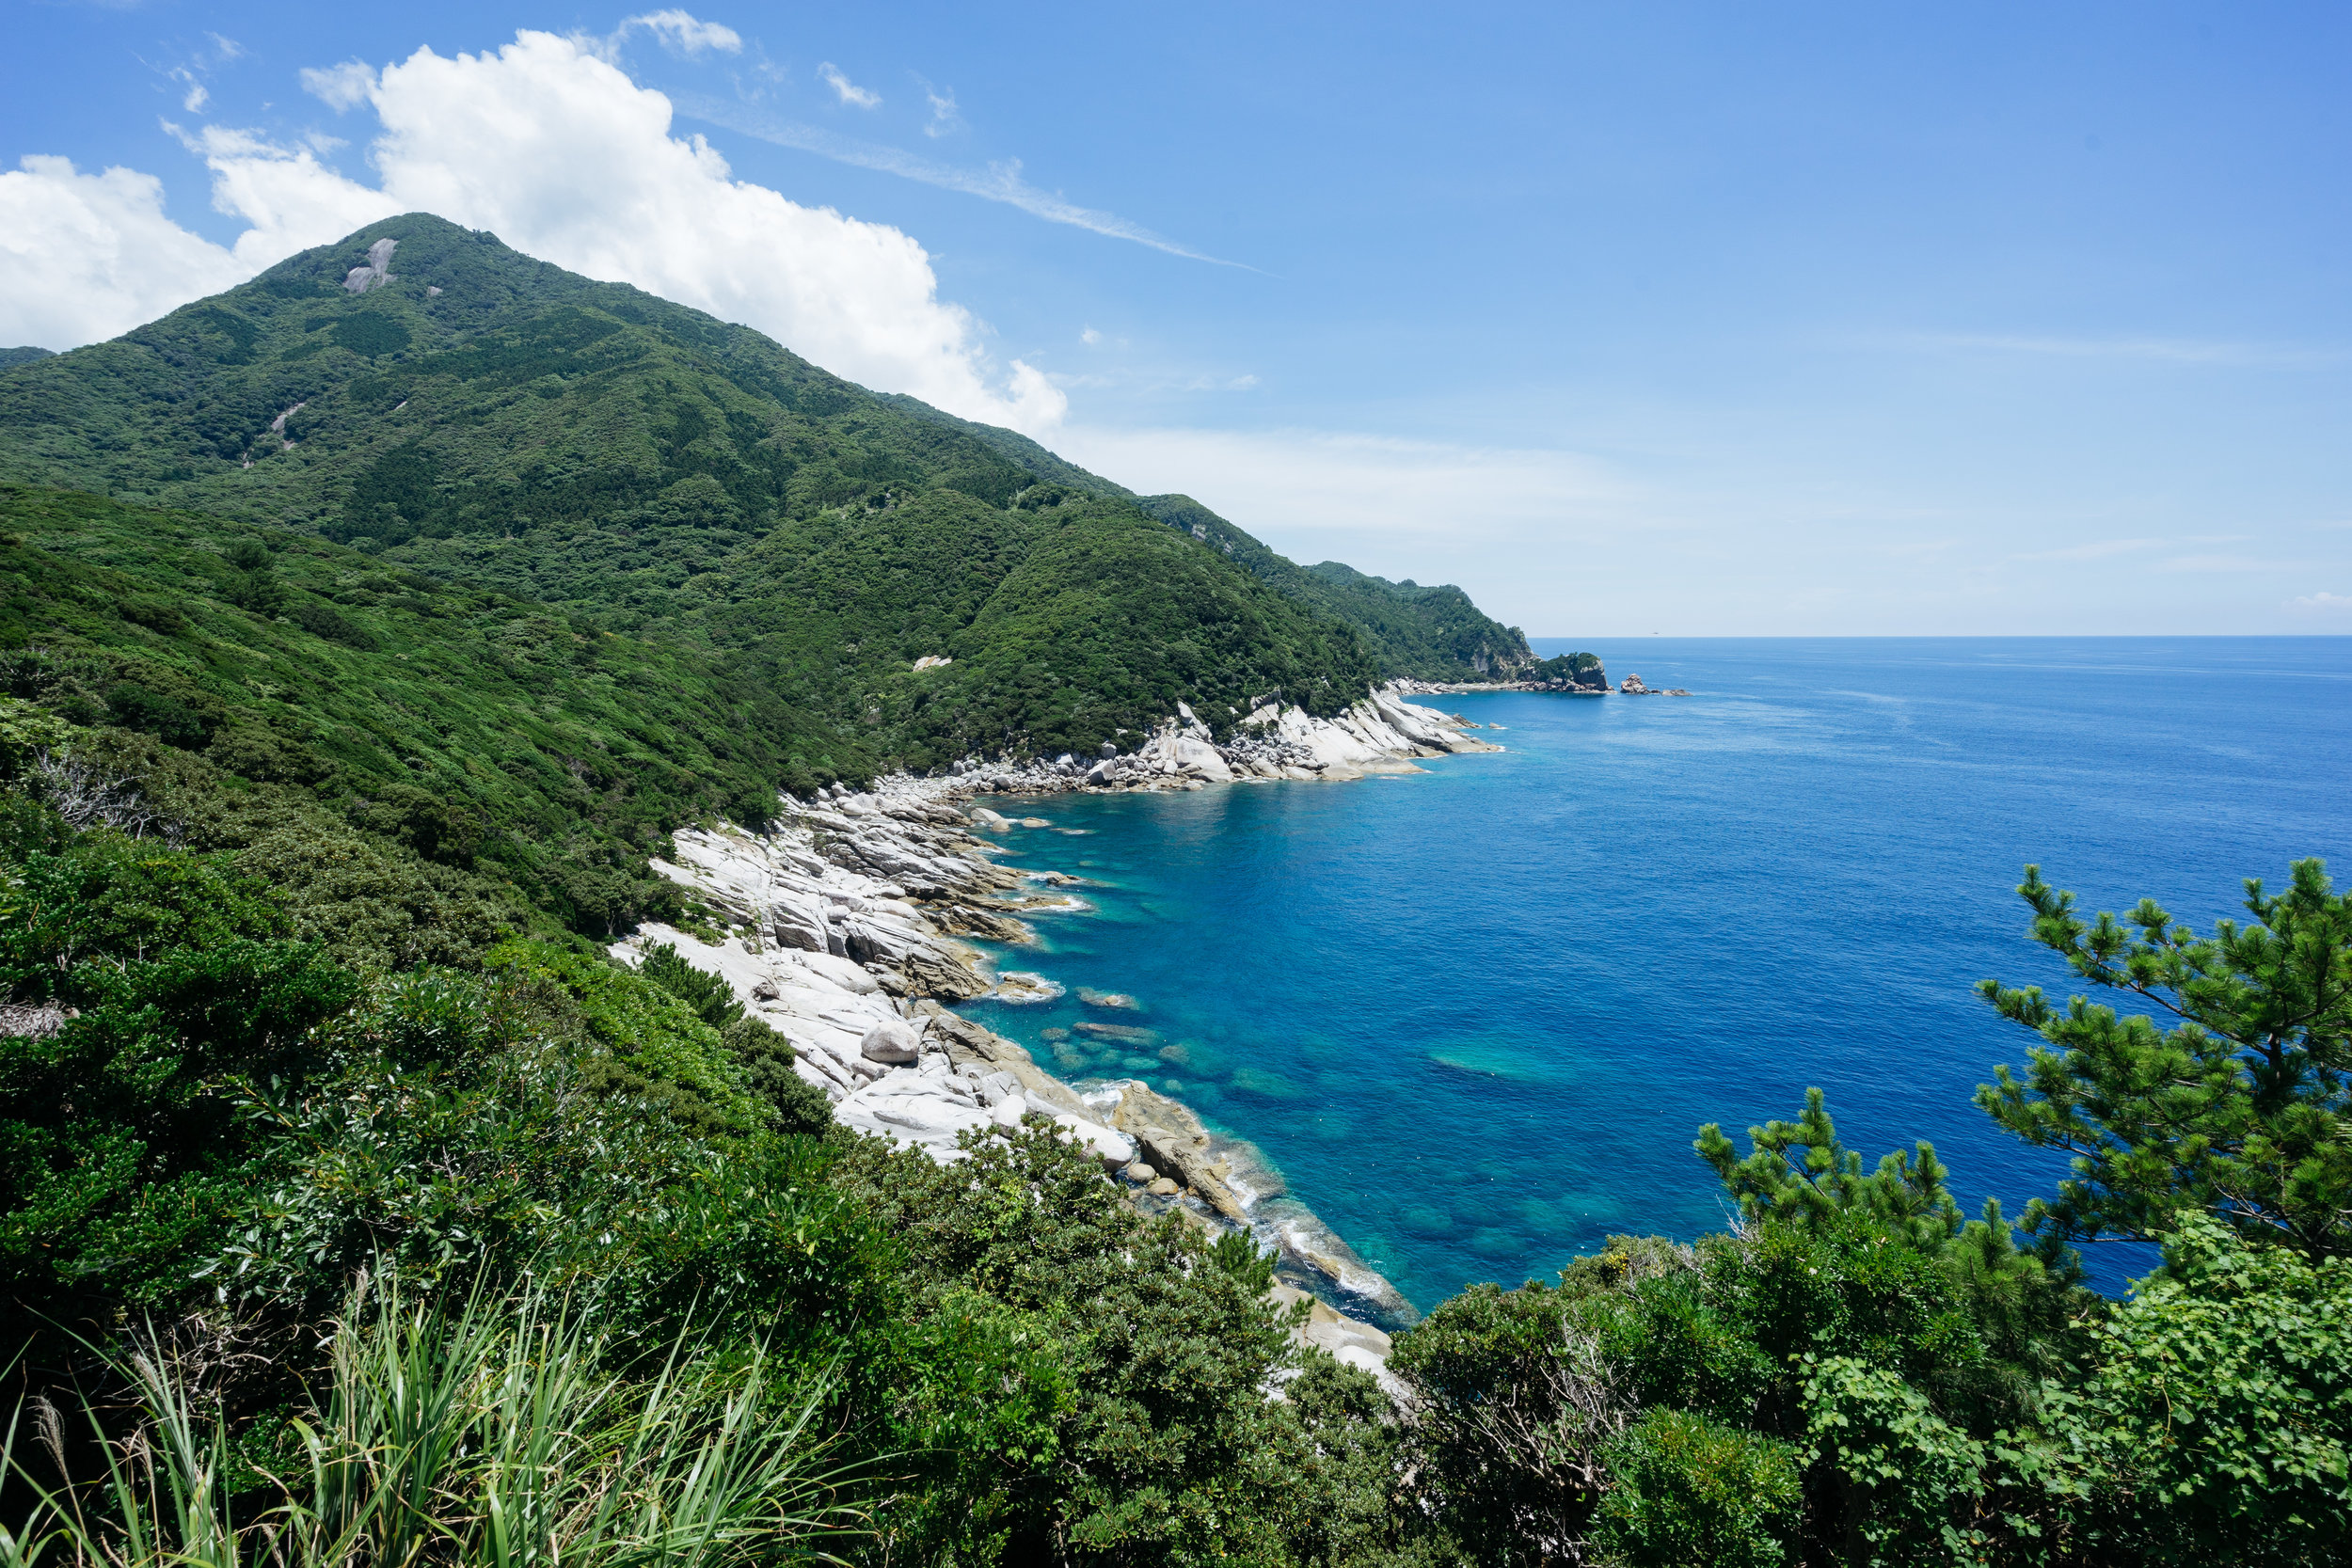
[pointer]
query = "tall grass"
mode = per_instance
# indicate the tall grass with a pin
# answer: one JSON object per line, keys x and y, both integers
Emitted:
{"x": 494, "y": 1436}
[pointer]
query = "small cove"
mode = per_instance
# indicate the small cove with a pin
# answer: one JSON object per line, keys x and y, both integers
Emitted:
{"x": 1475, "y": 1016}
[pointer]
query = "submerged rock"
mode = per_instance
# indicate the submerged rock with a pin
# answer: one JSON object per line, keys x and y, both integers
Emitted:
{"x": 1125, "y": 1034}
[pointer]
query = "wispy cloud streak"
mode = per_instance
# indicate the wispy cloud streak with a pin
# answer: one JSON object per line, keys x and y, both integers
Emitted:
{"x": 996, "y": 182}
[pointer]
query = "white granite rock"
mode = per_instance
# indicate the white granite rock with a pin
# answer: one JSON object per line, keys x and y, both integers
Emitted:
{"x": 890, "y": 1040}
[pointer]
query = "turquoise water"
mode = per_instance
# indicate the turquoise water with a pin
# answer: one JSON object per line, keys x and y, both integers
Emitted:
{"x": 1475, "y": 1016}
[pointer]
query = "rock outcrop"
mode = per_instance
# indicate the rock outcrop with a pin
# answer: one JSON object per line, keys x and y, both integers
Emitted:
{"x": 1381, "y": 734}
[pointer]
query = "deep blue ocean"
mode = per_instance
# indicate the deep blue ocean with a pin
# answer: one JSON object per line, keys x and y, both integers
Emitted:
{"x": 1476, "y": 1016}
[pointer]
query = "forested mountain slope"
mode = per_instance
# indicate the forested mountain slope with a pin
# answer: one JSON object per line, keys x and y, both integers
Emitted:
{"x": 1426, "y": 633}
{"x": 487, "y": 421}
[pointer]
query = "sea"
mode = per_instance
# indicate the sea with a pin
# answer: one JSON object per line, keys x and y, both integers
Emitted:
{"x": 1475, "y": 1016}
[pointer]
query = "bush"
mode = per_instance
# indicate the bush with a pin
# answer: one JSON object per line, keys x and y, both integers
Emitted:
{"x": 2216, "y": 1421}
{"x": 1687, "y": 1490}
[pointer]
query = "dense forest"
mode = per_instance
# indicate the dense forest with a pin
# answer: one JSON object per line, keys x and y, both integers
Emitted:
{"x": 356, "y": 1208}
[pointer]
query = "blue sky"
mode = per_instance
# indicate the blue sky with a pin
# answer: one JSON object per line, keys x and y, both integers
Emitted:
{"x": 1687, "y": 319}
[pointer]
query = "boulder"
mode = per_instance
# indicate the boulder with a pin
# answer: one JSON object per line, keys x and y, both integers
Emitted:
{"x": 890, "y": 1040}
{"x": 1141, "y": 1174}
{"x": 1197, "y": 756}
{"x": 1112, "y": 1149}
{"x": 1163, "y": 1188}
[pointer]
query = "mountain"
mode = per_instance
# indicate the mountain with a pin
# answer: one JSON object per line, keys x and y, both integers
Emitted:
{"x": 427, "y": 395}
{"x": 418, "y": 539}
{"x": 10, "y": 358}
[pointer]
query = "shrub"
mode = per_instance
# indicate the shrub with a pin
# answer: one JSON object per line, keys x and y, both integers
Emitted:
{"x": 1687, "y": 1490}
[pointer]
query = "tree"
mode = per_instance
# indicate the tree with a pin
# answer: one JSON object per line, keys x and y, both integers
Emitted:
{"x": 2235, "y": 1104}
{"x": 1905, "y": 1196}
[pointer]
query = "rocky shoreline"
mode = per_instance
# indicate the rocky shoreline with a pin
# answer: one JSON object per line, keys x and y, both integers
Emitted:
{"x": 845, "y": 929}
{"x": 1630, "y": 687}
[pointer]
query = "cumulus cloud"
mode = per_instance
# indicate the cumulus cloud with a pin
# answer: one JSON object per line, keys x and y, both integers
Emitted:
{"x": 557, "y": 151}
{"x": 2333, "y": 604}
{"x": 83, "y": 255}
{"x": 290, "y": 201}
{"x": 850, "y": 92}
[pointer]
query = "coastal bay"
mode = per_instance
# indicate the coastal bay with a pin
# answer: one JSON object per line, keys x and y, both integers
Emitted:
{"x": 1474, "y": 1016}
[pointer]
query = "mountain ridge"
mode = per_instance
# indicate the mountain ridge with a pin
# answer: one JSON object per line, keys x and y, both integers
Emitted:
{"x": 205, "y": 407}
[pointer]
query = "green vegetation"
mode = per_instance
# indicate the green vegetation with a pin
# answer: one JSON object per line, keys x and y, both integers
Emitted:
{"x": 1575, "y": 669}
{"x": 2235, "y": 1105}
{"x": 1431, "y": 634}
{"x": 482, "y": 1435}
{"x": 521, "y": 572}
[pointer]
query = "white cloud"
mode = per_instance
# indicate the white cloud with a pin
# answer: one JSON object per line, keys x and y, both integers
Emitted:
{"x": 944, "y": 116}
{"x": 1090, "y": 337}
{"x": 558, "y": 152}
{"x": 340, "y": 86}
{"x": 85, "y": 256}
{"x": 999, "y": 182}
{"x": 288, "y": 199}
{"x": 850, "y": 92}
{"x": 197, "y": 96}
{"x": 684, "y": 33}
{"x": 2334, "y": 604}
{"x": 226, "y": 48}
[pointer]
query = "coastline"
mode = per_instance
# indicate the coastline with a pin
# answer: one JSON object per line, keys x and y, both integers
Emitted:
{"x": 848, "y": 929}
